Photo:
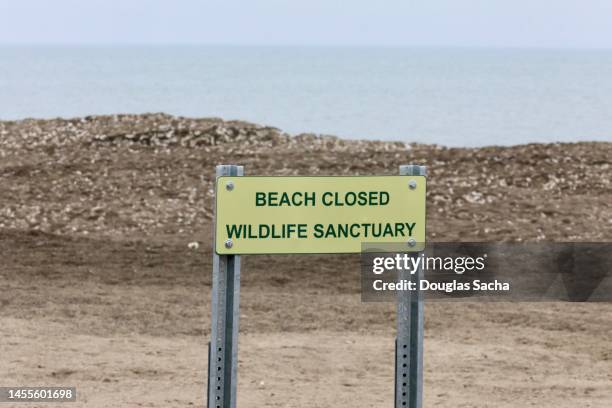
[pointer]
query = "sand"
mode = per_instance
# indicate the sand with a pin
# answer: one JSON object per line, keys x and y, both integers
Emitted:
{"x": 99, "y": 288}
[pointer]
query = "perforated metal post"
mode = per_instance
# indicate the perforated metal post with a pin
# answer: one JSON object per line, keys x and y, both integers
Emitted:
{"x": 410, "y": 328}
{"x": 223, "y": 347}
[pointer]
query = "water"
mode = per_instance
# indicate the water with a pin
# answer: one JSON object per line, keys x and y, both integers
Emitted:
{"x": 456, "y": 97}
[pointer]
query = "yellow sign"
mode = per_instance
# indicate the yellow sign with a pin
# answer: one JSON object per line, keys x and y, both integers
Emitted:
{"x": 299, "y": 215}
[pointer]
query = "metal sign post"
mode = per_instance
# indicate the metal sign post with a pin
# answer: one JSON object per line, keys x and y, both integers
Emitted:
{"x": 223, "y": 347}
{"x": 410, "y": 328}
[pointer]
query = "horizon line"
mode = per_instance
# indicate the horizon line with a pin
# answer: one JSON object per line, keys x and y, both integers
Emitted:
{"x": 303, "y": 45}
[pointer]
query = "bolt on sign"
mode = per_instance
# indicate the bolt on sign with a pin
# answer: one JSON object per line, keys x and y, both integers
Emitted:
{"x": 299, "y": 215}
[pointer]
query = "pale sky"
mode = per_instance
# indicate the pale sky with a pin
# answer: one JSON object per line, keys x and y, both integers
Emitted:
{"x": 496, "y": 23}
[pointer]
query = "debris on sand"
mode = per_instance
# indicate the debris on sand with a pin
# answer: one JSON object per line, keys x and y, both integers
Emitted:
{"x": 152, "y": 174}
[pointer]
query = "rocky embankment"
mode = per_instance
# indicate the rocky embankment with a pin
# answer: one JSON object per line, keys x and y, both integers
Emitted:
{"x": 128, "y": 176}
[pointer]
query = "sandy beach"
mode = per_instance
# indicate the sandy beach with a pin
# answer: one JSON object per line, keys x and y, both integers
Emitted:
{"x": 101, "y": 289}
